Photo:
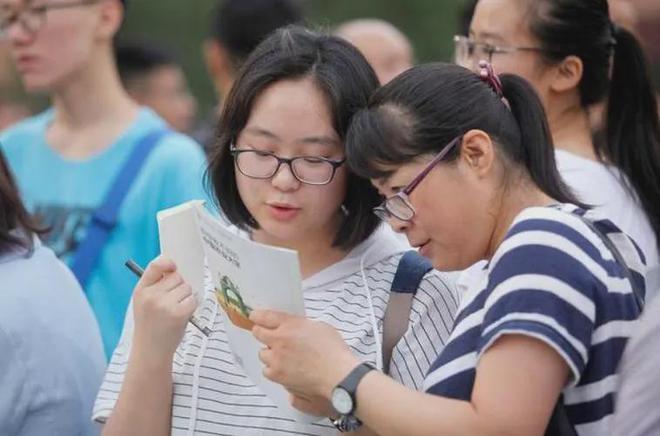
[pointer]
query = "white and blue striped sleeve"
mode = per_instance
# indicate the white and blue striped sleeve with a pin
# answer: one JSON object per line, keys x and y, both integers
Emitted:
{"x": 541, "y": 285}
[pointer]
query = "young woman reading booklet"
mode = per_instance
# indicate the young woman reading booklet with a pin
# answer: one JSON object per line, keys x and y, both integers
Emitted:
{"x": 280, "y": 175}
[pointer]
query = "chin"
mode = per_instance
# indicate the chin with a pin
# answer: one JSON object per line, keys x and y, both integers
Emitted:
{"x": 36, "y": 84}
{"x": 283, "y": 232}
{"x": 441, "y": 260}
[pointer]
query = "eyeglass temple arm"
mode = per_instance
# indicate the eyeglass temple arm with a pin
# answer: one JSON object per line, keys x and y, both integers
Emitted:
{"x": 431, "y": 165}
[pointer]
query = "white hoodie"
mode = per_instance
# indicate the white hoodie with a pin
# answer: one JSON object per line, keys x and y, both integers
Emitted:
{"x": 213, "y": 395}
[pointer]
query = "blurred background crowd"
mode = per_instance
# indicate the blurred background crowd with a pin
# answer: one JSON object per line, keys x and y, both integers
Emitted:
{"x": 176, "y": 72}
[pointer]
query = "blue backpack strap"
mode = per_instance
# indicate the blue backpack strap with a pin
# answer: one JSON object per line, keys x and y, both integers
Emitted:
{"x": 104, "y": 218}
{"x": 409, "y": 274}
{"x": 412, "y": 268}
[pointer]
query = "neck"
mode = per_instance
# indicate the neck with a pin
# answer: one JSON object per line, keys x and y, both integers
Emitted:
{"x": 315, "y": 252}
{"x": 223, "y": 84}
{"x": 571, "y": 131}
{"x": 93, "y": 96}
{"x": 520, "y": 195}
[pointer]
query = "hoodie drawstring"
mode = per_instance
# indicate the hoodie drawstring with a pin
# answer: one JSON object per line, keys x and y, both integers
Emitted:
{"x": 372, "y": 314}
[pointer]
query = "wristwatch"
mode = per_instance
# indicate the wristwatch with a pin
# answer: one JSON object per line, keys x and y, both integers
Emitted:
{"x": 343, "y": 398}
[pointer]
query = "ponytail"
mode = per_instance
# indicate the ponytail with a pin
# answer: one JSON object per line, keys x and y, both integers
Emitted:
{"x": 536, "y": 141}
{"x": 632, "y": 132}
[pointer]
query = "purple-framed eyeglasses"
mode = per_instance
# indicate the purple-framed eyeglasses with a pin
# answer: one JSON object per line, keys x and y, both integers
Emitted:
{"x": 398, "y": 205}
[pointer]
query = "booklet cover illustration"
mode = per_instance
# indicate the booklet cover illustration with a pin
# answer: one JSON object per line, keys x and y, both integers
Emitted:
{"x": 232, "y": 303}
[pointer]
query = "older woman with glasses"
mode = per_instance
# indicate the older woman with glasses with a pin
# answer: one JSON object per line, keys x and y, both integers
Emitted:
{"x": 467, "y": 168}
{"x": 279, "y": 172}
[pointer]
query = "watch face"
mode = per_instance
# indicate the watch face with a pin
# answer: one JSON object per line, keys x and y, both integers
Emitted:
{"x": 342, "y": 401}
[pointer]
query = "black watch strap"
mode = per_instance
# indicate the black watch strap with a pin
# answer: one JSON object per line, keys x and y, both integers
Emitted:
{"x": 350, "y": 383}
{"x": 349, "y": 422}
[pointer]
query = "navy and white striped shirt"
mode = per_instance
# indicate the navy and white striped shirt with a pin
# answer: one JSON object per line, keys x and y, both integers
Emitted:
{"x": 553, "y": 279}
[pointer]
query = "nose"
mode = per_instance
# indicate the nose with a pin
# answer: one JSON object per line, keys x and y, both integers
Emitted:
{"x": 284, "y": 179}
{"x": 17, "y": 34}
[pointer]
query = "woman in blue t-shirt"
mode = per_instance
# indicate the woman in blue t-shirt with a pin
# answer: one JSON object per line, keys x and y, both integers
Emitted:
{"x": 466, "y": 164}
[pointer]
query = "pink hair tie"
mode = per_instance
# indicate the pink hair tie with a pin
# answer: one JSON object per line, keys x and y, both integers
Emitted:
{"x": 487, "y": 75}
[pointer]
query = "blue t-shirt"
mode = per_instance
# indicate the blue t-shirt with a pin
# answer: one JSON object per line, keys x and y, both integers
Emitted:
{"x": 553, "y": 279}
{"x": 64, "y": 193}
{"x": 51, "y": 356}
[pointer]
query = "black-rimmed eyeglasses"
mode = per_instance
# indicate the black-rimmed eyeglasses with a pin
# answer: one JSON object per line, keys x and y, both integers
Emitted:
{"x": 398, "y": 205}
{"x": 312, "y": 170}
{"x": 33, "y": 17}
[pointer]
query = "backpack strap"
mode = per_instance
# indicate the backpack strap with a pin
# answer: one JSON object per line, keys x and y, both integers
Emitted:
{"x": 411, "y": 270}
{"x": 618, "y": 257}
{"x": 559, "y": 424}
{"x": 104, "y": 218}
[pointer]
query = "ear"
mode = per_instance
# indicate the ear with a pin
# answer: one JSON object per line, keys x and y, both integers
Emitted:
{"x": 567, "y": 74}
{"x": 216, "y": 58}
{"x": 110, "y": 18}
{"x": 478, "y": 153}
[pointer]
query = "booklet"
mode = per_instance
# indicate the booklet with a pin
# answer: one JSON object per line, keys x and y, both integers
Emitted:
{"x": 245, "y": 275}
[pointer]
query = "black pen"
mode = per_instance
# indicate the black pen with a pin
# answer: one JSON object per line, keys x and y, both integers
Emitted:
{"x": 135, "y": 268}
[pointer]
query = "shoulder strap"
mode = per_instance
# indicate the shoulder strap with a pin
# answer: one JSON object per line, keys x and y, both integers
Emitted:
{"x": 637, "y": 293}
{"x": 104, "y": 218}
{"x": 411, "y": 270}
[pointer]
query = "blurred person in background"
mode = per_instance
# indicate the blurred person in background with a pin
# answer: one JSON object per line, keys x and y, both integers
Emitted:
{"x": 575, "y": 57}
{"x": 51, "y": 364}
{"x": 154, "y": 78}
{"x": 11, "y": 112}
{"x": 386, "y": 48}
{"x": 637, "y": 412}
{"x": 237, "y": 27}
{"x": 12, "y": 106}
{"x": 96, "y": 167}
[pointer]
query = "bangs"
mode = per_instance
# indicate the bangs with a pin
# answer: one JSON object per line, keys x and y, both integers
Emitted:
{"x": 379, "y": 139}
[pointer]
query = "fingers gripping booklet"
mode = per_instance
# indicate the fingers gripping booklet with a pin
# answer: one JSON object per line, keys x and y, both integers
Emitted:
{"x": 245, "y": 275}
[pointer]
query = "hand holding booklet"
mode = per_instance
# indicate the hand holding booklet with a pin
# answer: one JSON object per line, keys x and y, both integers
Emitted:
{"x": 245, "y": 275}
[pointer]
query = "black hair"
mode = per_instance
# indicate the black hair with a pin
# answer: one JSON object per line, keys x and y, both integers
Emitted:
{"x": 616, "y": 71}
{"x": 138, "y": 58}
{"x": 240, "y": 25}
{"x": 16, "y": 226}
{"x": 466, "y": 12}
{"x": 424, "y": 108}
{"x": 346, "y": 79}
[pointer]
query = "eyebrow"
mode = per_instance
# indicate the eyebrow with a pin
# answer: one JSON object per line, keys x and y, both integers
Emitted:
{"x": 261, "y": 132}
{"x": 486, "y": 35}
{"x": 384, "y": 182}
{"x": 320, "y": 139}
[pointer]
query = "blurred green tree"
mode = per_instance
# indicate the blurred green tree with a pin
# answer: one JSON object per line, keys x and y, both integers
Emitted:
{"x": 183, "y": 25}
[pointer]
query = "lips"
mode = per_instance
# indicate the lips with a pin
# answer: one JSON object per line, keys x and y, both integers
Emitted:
{"x": 283, "y": 211}
{"x": 26, "y": 62}
{"x": 424, "y": 248}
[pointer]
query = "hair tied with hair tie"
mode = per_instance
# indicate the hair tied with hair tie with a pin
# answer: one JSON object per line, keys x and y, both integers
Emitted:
{"x": 487, "y": 75}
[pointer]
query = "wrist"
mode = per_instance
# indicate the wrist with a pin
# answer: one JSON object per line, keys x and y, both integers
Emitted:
{"x": 339, "y": 370}
{"x": 150, "y": 357}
